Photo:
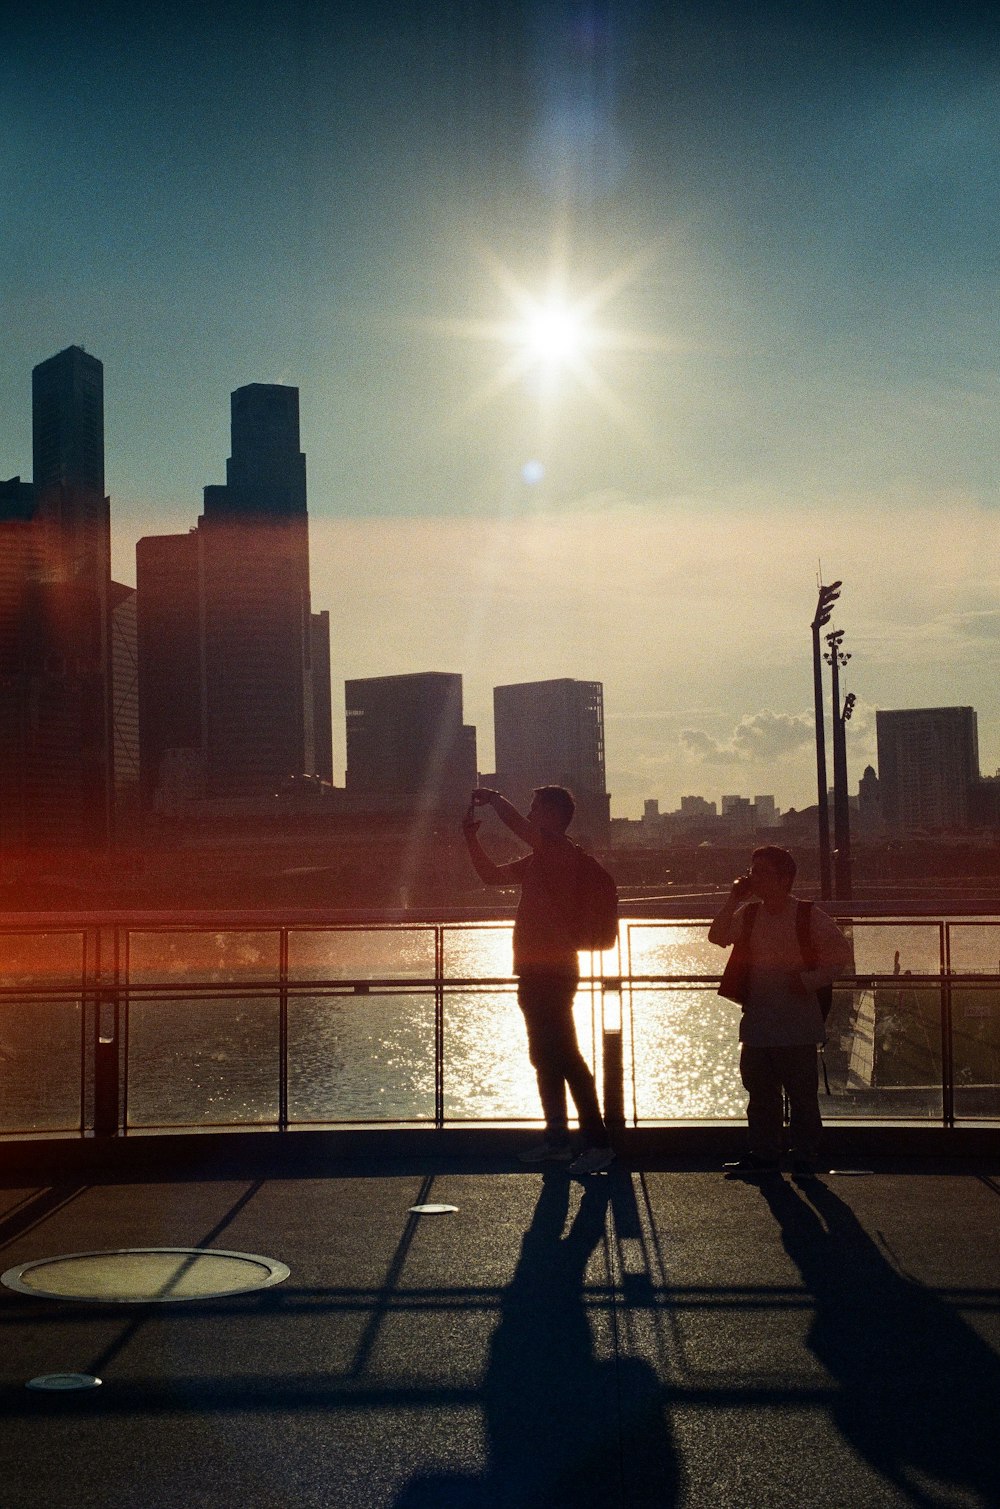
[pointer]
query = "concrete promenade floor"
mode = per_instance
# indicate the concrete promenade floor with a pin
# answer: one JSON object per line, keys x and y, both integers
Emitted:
{"x": 657, "y": 1336}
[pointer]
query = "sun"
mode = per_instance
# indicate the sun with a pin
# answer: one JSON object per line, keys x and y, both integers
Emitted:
{"x": 552, "y": 338}
{"x": 555, "y": 334}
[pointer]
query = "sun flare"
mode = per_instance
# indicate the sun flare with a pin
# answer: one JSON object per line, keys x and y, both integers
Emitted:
{"x": 552, "y": 340}
{"x": 555, "y": 334}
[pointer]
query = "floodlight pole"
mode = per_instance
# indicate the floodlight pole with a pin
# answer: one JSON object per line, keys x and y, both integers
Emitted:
{"x": 841, "y": 804}
{"x": 824, "y": 607}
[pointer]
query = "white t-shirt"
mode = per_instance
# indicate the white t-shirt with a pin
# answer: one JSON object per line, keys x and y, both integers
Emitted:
{"x": 775, "y": 1013}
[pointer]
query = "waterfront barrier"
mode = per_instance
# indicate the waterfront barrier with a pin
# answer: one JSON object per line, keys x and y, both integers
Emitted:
{"x": 134, "y": 1025}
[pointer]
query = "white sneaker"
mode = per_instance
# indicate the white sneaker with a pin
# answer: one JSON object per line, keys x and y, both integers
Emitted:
{"x": 547, "y": 1152}
{"x": 593, "y": 1160}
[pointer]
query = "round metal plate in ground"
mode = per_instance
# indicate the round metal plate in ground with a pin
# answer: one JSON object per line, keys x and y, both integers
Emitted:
{"x": 145, "y": 1275}
{"x": 63, "y": 1383}
{"x": 433, "y": 1210}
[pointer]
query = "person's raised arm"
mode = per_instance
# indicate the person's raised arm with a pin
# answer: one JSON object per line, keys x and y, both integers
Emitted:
{"x": 506, "y": 812}
{"x": 722, "y": 931}
{"x": 488, "y": 872}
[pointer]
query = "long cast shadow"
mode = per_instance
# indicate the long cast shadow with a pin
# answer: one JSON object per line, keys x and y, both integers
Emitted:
{"x": 918, "y": 1386}
{"x": 566, "y": 1429}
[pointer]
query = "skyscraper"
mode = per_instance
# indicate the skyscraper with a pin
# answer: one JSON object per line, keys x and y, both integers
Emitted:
{"x": 406, "y": 742}
{"x": 928, "y": 762}
{"x": 552, "y": 732}
{"x": 58, "y": 759}
{"x": 256, "y": 632}
{"x": 169, "y": 647}
{"x": 125, "y": 697}
{"x": 232, "y": 659}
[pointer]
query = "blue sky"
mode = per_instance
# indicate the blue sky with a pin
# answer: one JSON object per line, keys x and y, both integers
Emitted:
{"x": 791, "y": 213}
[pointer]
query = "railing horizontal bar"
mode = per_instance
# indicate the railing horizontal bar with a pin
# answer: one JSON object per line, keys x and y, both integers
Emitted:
{"x": 395, "y": 984}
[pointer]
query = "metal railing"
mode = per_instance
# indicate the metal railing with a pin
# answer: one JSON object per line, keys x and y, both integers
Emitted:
{"x": 104, "y": 1029}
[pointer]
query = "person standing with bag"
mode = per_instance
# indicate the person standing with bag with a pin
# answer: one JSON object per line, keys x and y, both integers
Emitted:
{"x": 553, "y": 880}
{"x": 778, "y": 975}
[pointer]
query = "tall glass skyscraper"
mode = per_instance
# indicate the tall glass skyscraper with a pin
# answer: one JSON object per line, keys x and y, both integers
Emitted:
{"x": 57, "y": 744}
{"x": 234, "y": 596}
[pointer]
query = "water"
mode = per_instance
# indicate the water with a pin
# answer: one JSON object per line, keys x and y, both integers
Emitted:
{"x": 213, "y": 1060}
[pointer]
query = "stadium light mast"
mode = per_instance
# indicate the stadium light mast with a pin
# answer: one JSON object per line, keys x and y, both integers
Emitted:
{"x": 824, "y": 608}
{"x": 835, "y": 658}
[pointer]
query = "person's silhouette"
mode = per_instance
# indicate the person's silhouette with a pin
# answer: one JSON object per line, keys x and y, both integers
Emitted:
{"x": 918, "y": 1386}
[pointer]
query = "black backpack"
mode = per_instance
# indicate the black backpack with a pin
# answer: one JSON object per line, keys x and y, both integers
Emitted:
{"x": 595, "y": 920}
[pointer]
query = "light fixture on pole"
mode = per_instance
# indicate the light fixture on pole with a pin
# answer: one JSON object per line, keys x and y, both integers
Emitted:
{"x": 824, "y": 608}
{"x": 836, "y": 658}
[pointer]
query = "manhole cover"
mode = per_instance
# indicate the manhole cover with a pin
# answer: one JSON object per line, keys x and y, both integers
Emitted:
{"x": 145, "y": 1275}
{"x": 63, "y": 1383}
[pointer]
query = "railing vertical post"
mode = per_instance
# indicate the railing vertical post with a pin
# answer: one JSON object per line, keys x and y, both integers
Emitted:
{"x": 283, "y": 1029}
{"x": 438, "y": 1026}
{"x": 947, "y": 1038}
{"x": 612, "y": 1057}
{"x": 631, "y": 1019}
{"x": 84, "y": 1043}
{"x": 106, "y": 1037}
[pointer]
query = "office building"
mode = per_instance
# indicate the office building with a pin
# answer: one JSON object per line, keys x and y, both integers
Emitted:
{"x": 407, "y": 745}
{"x": 233, "y": 663}
{"x": 552, "y": 733}
{"x": 737, "y": 811}
{"x": 125, "y": 698}
{"x": 56, "y": 744}
{"x": 255, "y": 611}
{"x": 169, "y": 644}
{"x": 928, "y": 763}
{"x": 765, "y": 812}
{"x": 319, "y": 629}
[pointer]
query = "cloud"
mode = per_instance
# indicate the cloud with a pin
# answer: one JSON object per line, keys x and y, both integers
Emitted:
{"x": 757, "y": 737}
{"x": 983, "y": 624}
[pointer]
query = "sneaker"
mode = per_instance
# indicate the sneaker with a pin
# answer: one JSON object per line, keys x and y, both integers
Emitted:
{"x": 547, "y": 1152}
{"x": 593, "y": 1160}
{"x": 752, "y": 1163}
{"x": 803, "y": 1168}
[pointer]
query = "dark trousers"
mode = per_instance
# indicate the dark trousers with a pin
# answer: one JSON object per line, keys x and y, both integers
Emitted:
{"x": 547, "y": 1004}
{"x": 765, "y": 1072}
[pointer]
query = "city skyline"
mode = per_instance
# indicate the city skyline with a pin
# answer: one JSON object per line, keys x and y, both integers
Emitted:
{"x": 774, "y": 231}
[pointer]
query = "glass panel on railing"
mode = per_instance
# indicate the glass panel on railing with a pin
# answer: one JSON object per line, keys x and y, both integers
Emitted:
{"x": 482, "y": 952}
{"x": 975, "y": 948}
{"x": 883, "y": 1053}
{"x": 361, "y": 1058}
{"x": 39, "y": 1065}
{"x": 885, "y": 948}
{"x": 487, "y": 1075}
{"x": 686, "y": 1054}
{"x": 975, "y": 1016}
{"x": 361, "y": 953}
{"x": 680, "y": 948}
{"x": 203, "y": 1062}
{"x": 485, "y": 951}
{"x": 216, "y": 958}
{"x": 41, "y": 959}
